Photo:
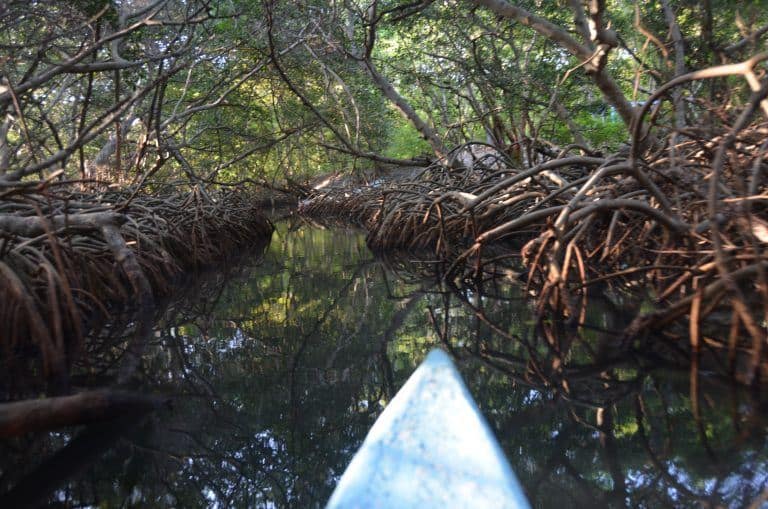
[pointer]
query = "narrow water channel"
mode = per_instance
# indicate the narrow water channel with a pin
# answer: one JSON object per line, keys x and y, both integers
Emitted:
{"x": 278, "y": 367}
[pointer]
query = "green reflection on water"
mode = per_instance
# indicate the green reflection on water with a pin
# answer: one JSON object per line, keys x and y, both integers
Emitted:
{"x": 279, "y": 371}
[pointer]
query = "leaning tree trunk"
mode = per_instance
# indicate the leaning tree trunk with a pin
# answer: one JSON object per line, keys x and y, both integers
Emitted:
{"x": 402, "y": 104}
{"x": 679, "y": 45}
{"x": 593, "y": 61}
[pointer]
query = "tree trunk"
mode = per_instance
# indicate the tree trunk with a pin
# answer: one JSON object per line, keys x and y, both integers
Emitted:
{"x": 100, "y": 166}
{"x": 679, "y": 45}
{"x": 383, "y": 84}
{"x": 5, "y": 148}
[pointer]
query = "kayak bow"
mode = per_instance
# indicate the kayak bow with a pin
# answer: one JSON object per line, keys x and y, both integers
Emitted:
{"x": 430, "y": 448}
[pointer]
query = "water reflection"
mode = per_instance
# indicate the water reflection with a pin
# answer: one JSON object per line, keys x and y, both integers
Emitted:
{"x": 279, "y": 367}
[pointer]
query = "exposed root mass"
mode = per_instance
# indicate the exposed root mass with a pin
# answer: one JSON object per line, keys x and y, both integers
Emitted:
{"x": 68, "y": 259}
{"x": 687, "y": 218}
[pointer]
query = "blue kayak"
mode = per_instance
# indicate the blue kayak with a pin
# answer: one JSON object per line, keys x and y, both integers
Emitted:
{"x": 430, "y": 448}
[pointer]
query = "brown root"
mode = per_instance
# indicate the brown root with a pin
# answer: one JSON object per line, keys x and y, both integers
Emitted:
{"x": 68, "y": 257}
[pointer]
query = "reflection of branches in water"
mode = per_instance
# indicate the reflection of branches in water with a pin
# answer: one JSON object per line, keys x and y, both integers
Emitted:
{"x": 34, "y": 489}
{"x": 192, "y": 301}
{"x": 413, "y": 268}
{"x": 290, "y": 482}
{"x": 260, "y": 420}
{"x": 257, "y": 460}
{"x": 305, "y": 340}
{"x": 597, "y": 386}
{"x": 541, "y": 362}
{"x": 652, "y": 456}
{"x": 70, "y": 258}
{"x": 585, "y": 375}
{"x": 101, "y": 365}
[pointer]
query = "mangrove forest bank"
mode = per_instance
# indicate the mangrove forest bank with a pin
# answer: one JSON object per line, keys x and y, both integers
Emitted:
{"x": 684, "y": 221}
{"x": 601, "y": 146}
{"x": 72, "y": 262}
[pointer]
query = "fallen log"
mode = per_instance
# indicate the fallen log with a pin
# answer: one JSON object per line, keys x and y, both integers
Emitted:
{"x": 44, "y": 414}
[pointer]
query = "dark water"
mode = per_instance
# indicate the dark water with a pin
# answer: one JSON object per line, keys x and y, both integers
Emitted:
{"x": 279, "y": 366}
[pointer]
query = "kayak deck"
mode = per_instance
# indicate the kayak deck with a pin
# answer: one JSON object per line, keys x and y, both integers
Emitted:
{"x": 430, "y": 447}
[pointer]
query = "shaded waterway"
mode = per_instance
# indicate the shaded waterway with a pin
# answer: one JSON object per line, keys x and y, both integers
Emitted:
{"x": 278, "y": 366}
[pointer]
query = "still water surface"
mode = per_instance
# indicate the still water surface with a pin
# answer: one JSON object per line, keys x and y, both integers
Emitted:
{"x": 280, "y": 365}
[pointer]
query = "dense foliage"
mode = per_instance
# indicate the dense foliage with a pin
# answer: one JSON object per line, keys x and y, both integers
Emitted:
{"x": 229, "y": 90}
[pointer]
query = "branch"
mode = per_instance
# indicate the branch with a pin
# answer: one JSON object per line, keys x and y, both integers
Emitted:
{"x": 751, "y": 38}
{"x": 745, "y": 69}
{"x": 298, "y": 93}
{"x": 45, "y": 76}
{"x": 416, "y": 162}
{"x": 673, "y": 224}
{"x": 580, "y": 20}
{"x": 383, "y": 84}
{"x": 592, "y": 60}
{"x": 92, "y": 131}
{"x": 541, "y": 25}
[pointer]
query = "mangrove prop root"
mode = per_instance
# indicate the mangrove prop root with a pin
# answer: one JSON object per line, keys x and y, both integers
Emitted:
{"x": 69, "y": 256}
